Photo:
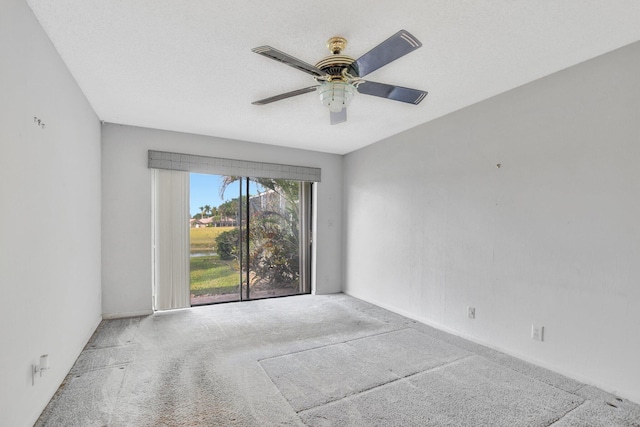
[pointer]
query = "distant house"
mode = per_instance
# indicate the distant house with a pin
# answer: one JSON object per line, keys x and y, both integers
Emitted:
{"x": 206, "y": 222}
{"x": 226, "y": 222}
{"x": 213, "y": 222}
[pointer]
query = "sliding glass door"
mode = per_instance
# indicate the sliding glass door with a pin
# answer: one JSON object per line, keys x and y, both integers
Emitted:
{"x": 276, "y": 241}
{"x": 253, "y": 243}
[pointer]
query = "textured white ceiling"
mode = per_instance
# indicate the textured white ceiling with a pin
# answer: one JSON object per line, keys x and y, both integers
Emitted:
{"x": 187, "y": 65}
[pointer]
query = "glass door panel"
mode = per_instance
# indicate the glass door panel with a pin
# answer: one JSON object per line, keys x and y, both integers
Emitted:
{"x": 275, "y": 239}
{"x": 214, "y": 260}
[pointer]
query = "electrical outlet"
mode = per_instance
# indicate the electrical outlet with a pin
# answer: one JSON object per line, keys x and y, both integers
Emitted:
{"x": 471, "y": 312}
{"x": 537, "y": 333}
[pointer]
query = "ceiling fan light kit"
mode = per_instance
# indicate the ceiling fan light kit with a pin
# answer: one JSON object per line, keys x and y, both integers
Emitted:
{"x": 336, "y": 95}
{"x": 339, "y": 76}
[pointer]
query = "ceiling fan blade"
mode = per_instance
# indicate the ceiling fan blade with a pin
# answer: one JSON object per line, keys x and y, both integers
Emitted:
{"x": 388, "y": 51}
{"x": 289, "y": 60}
{"x": 285, "y": 95}
{"x": 339, "y": 117}
{"x": 396, "y": 93}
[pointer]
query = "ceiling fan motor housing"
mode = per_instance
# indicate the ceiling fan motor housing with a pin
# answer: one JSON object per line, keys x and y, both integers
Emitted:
{"x": 335, "y": 64}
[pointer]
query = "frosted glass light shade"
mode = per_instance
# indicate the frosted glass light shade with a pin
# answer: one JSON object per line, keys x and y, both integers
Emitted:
{"x": 336, "y": 95}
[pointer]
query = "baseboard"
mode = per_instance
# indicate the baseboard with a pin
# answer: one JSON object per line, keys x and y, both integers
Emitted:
{"x": 110, "y": 316}
{"x": 632, "y": 396}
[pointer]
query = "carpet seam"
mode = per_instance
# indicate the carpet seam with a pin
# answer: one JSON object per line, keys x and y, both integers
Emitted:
{"x": 99, "y": 368}
{"x": 535, "y": 378}
{"x": 118, "y": 396}
{"x": 573, "y": 392}
{"x": 569, "y": 411}
{"x": 406, "y": 377}
{"x": 329, "y": 345}
{"x": 95, "y": 348}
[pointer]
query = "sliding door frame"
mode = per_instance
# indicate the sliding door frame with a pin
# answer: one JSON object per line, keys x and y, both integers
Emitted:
{"x": 305, "y": 227}
{"x": 306, "y": 175}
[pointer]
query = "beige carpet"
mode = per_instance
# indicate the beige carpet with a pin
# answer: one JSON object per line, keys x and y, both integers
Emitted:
{"x": 311, "y": 360}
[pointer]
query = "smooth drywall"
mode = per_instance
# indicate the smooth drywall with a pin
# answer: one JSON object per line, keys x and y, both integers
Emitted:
{"x": 525, "y": 206}
{"x": 49, "y": 216}
{"x": 126, "y": 204}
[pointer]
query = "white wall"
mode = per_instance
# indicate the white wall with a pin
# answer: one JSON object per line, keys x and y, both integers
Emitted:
{"x": 49, "y": 216}
{"x": 126, "y": 203}
{"x": 432, "y": 226}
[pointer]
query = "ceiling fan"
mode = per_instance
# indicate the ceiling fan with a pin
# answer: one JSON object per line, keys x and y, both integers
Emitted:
{"x": 339, "y": 77}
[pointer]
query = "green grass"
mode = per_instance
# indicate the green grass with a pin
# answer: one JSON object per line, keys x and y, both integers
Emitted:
{"x": 212, "y": 276}
{"x": 209, "y": 274}
{"x": 205, "y": 238}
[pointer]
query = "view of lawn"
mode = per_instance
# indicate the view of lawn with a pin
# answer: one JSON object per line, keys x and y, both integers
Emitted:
{"x": 209, "y": 274}
{"x": 205, "y": 238}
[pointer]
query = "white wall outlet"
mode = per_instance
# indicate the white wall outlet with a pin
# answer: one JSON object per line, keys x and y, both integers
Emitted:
{"x": 471, "y": 312}
{"x": 537, "y": 333}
